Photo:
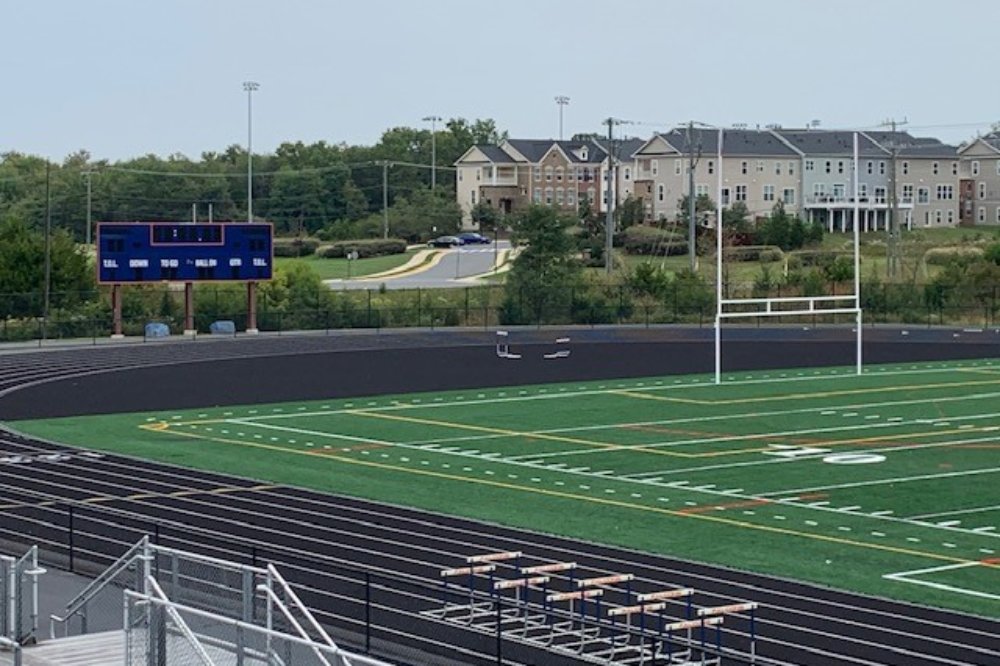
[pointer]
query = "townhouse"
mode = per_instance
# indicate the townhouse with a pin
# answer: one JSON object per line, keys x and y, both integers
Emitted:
{"x": 810, "y": 171}
{"x": 980, "y": 179}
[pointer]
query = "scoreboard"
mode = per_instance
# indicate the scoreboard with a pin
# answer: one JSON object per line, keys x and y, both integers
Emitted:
{"x": 135, "y": 252}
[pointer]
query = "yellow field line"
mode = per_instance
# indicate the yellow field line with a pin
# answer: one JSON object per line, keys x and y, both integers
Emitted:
{"x": 800, "y": 396}
{"x": 597, "y": 500}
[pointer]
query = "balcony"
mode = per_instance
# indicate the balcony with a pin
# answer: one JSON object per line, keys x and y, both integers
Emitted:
{"x": 836, "y": 202}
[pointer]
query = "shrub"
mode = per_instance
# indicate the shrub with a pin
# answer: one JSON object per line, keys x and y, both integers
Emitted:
{"x": 762, "y": 253}
{"x": 652, "y": 241}
{"x": 295, "y": 247}
{"x": 942, "y": 256}
{"x": 371, "y": 247}
{"x": 819, "y": 258}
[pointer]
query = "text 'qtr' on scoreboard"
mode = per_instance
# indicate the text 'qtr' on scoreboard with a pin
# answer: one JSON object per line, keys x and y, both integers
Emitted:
{"x": 135, "y": 252}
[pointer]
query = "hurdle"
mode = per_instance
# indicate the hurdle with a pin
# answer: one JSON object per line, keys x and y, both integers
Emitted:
{"x": 503, "y": 346}
{"x": 559, "y": 353}
{"x": 731, "y": 609}
{"x": 559, "y": 629}
{"x": 623, "y": 642}
{"x": 522, "y": 609}
{"x": 607, "y": 581}
{"x": 487, "y": 558}
{"x": 688, "y": 626}
{"x": 551, "y": 568}
{"x": 473, "y": 608}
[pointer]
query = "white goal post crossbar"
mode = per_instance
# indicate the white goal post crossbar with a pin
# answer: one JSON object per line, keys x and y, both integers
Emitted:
{"x": 796, "y": 306}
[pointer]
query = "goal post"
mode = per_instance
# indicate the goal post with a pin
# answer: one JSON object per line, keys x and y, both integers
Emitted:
{"x": 737, "y": 308}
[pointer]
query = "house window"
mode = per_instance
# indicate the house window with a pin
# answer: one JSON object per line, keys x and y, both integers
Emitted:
{"x": 678, "y": 167}
{"x": 923, "y": 195}
{"x": 937, "y": 217}
{"x": 548, "y": 174}
{"x": 656, "y": 167}
{"x": 741, "y": 193}
{"x": 906, "y": 168}
{"x": 472, "y": 197}
{"x": 881, "y": 167}
{"x": 838, "y": 191}
{"x": 743, "y": 168}
{"x": 559, "y": 196}
{"x": 945, "y": 192}
{"x": 725, "y": 196}
{"x": 769, "y": 193}
{"x": 660, "y": 192}
{"x": 548, "y": 196}
{"x": 788, "y": 196}
{"x": 840, "y": 166}
{"x": 935, "y": 167}
{"x": 570, "y": 197}
{"x": 998, "y": 167}
{"x": 791, "y": 168}
{"x": 760, "y": 166}
{"x": 871, "y": 167}
{"x": 628, "y": 173}
{"x": 829, "y": 166}
{"x": 954, "y": 168}
{"x": 588, "y": 174}
{"x": 975, "y": 167}
{"x": 559, "y": 174}
{"x": 951, "y": 216}
{"x": 538, "y": 195}
{"x": 819, "y": 190}
{"x": 777, "y": 168}
{"x": 981, "y": 217}
{"x": 460, "y": 176}
{"x": 711, "y": 168}
{"x": 863, "y": 190}
{"x": 478, "y": 174}
{"x": 907, "y": 193}
{"x": 998, "y": 214}
{"x": 591, "y": 194}
{"x": 810, "y": 165}
{"x": 982, "y": 190}
{"x": 701, "y": 190}
{"x": 879, "y": 195}
{"x": 538, "y": 174}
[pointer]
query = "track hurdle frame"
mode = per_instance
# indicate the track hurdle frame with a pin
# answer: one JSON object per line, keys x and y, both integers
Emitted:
{"x": 734, "y": 609}
{"x": 471, "y": 572}
{"x": 503, "y": 346}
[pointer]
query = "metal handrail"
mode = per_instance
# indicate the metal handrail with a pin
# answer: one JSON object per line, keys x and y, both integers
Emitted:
{"x": 15, "y": 648}
{"x": 157, "y": 593}
{"x": 276, "y": 600}
{"x": 74, "y": 606}
{"x": 294, "y": 598}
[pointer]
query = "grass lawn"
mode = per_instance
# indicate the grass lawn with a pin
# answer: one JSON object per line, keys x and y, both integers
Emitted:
{"x": 330, "y": 269}
{"x": 884, "y": 483}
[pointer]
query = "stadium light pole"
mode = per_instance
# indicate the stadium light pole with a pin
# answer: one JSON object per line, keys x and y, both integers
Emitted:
{"x": 250, "y": 87}
{"x": 433, "y": 120}
{"x": 562, "y": 101}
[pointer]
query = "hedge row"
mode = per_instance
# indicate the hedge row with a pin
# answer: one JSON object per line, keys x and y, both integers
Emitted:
{"x": 295, "y": 247}
{"x": 373, "y": 247}
{"x": 652, "y": 241}
{"x": 941, "y": 256}
{"x": 762, "y": 253}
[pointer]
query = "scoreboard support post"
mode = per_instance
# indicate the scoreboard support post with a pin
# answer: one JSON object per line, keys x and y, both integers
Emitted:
{"x": 252, "y": 308}
{"x": 189, "y": 329}
{"x": 116, "y": 311}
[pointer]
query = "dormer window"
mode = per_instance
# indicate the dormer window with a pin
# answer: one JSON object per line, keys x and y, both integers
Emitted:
{"x": 583, "y": 153}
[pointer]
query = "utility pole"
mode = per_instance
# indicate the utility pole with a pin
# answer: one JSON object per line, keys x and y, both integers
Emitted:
{"x": 609, "y": 220}
{"x": 385, "y": 198}
{"x": 250, "y": 87}
{"x": 88, "y": 174}
{"x": 48, "y": 247}
{"x": 434, "y": 120}
{"x": 692, "y": 230}
{"x": 893, "y": 227}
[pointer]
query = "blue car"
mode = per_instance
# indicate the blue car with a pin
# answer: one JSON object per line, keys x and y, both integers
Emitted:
{"x": 472, "y": 238}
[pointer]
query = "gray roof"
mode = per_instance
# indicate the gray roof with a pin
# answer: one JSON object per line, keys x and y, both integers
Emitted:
{"x": 735, "y": 142}
{"x": 495, "y": 154}
{"x": 624, "y": 148}
{"x": 831, "y": 142}
{"x": 532, "y": 149}
{"x": 930, "y": 150}
{"x": 993, "y": 139}
{"x": 595, "y": 151}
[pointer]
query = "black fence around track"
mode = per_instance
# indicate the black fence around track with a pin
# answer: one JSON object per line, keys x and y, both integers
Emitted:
{"x": 401, "y": 618}
{"x": 88, "y": 314}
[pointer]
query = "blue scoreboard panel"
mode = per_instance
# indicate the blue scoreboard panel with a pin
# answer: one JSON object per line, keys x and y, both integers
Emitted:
{"x": 132, "y": 252}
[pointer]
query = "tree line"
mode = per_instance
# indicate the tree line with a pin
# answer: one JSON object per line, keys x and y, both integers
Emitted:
{"x": 301, "y": 188}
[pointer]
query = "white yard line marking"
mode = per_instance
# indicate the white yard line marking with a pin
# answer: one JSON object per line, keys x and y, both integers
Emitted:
{"x": 911, "y": 577}
{"x": 958, "y": 512}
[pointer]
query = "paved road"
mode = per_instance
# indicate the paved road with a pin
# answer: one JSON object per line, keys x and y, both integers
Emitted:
{"x": 457, "y": 263}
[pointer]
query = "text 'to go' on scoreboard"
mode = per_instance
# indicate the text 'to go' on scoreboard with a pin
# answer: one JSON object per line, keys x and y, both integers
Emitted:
{"x": 132, "y": 252}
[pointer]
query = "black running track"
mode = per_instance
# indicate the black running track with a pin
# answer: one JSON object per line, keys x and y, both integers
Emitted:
{"x": 322, "y": 542}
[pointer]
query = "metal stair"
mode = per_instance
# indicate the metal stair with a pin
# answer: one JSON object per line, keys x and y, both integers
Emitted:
{"x": 100, "y": 649}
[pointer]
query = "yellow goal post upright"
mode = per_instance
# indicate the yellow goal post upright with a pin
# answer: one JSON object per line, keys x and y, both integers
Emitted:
{"x": 733, "y": 308}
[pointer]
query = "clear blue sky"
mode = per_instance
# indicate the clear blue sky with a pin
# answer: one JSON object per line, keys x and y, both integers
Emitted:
{"x": 122, "y": 78}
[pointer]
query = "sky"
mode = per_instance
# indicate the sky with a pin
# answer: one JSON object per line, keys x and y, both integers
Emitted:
{"x": 124, "y": 78}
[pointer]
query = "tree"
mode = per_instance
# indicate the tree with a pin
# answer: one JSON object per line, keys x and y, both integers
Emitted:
{"x": 629, "y": 212}
{"x": 486, "y": 217}
{"x": 545, "y": 273}
{"x": 423, "y": 214}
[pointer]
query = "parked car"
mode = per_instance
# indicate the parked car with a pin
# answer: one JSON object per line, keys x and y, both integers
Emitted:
{"x": 445, "y": 241}
{"x": 472, "y": 238}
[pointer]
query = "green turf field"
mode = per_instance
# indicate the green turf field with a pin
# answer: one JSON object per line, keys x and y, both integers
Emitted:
{"x": 888, "y": 483}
